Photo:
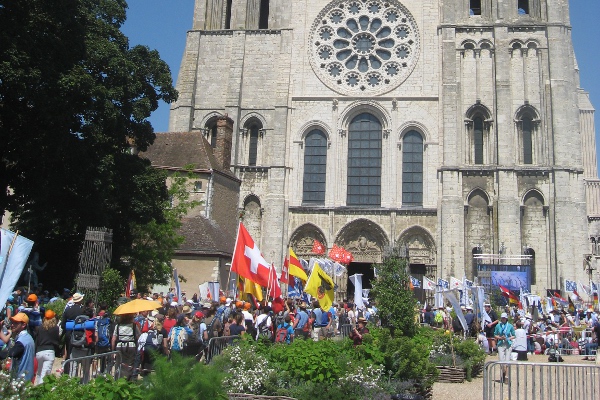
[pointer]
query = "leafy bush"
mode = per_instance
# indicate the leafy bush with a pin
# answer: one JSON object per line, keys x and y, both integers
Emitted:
{"x": 183, "y": 379}
{"x": 467, "y": 353}
{"x": 65, "y": 388}
{"x": 58, "y": 306}
{"x": 12, "y": 389}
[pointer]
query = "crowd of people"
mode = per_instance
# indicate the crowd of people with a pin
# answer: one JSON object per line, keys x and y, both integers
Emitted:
{"x": 515, "y": 333}
{"x": 32, "y": 336}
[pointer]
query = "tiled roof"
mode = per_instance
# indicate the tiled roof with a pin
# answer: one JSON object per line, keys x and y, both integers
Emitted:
{"x": 203, "y": 236}
{"x": 180, "y": 149}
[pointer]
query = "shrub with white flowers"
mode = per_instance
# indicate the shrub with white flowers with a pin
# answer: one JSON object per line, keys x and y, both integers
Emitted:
{"x": 12, "y": 389}
{"x": 360, "y": 377}
{"x": 248, "y": 371}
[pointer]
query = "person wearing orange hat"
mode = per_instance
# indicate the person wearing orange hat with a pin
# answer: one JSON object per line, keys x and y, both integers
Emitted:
{"x": 34, "y": 313}
{"x": 47, "y": 340}
{"x": 23, "y": 351}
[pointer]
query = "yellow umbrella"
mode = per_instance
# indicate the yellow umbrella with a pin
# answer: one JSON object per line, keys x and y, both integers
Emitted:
{"x": 136, "y": 306}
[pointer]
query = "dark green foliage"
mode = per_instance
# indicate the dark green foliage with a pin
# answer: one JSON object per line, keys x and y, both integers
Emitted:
{"x": 467, "y": 353}
{"x": 111, "y": 286}
{"x": 65, "y": 388}
{"x": 395, "y": 301}
{"x": 184, "y": 379}
{"x": 73, "y": 97}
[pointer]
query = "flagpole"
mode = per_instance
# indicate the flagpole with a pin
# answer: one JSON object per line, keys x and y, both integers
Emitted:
{"x": 5, "y": 262}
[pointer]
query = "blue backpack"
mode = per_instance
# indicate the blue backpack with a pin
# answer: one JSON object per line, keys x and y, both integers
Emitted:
{"x": 103, "y": 326}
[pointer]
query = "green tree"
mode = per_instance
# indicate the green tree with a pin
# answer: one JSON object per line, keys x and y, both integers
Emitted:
{"x": 395, "y": 301}
{"x": 111, "y": 286}
{"x": 155, "y": 242}
{"x": 73, "y": 98}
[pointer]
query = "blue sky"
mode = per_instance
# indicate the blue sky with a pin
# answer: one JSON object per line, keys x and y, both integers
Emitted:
{"x": 162, "y": 25}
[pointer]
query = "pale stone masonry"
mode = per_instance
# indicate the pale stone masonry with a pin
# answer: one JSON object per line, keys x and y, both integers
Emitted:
{"x": 490, "y": 92}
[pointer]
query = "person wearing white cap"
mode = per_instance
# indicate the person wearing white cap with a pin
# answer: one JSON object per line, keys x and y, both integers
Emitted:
{"x": 504, "y": 334}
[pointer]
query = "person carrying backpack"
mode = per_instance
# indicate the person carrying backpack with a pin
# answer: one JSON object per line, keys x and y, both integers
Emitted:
{"x": 285, "y": 331}
{"x": 148, "y": 346}
{"x": 178, "y": 337}
{"x": 264, "y": 323}
{"x": 124, "y": 340}
{"x": 103, "y": 332}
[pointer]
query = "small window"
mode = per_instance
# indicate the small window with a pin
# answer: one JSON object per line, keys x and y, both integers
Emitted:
{"x": 523, "y": 7}
{"x": 253, "y": 147}
{"x": 527, "y": 140}
{"x": 197, "y": 186}
{"x": 263, "y": 19}
{"x": 478, "y": 139}
{"x": 474, "y": 7}
{"x": 213, "y": 136}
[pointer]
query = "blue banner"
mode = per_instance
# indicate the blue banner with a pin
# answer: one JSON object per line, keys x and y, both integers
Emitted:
{"x": 513, "y": 280}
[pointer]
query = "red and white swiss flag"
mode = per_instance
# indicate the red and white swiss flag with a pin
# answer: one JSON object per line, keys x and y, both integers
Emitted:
{"x": 248, "y": 261}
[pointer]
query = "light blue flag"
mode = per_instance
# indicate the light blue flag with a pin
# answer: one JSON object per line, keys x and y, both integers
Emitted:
{"x": 449, "y": 295}
{"x": 177, "y": 287}
{"x": 11, "y": 263}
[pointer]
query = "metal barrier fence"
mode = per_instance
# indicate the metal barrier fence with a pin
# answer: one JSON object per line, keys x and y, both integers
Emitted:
{"x": 552, "y": 381}
{"x": 346, "y": 330}
{"x": 217, "y": 344}
{"x": 89, "y": 367}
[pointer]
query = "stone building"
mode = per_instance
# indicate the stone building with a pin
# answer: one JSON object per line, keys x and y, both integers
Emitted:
{"x": 450, "y": 128}
{"x": 209, "y": 229}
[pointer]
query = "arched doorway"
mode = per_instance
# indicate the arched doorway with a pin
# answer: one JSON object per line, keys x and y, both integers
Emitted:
{"x": 421, "y": 258}
{"x": 365, "y": 240}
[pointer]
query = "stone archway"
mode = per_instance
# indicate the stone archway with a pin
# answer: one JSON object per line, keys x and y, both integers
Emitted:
{"x": 421, "y": 254}
{"x": 366, "y": 241}
{"x": 304, "y": 237}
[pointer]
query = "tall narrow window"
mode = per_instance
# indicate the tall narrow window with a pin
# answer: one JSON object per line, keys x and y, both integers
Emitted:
{"x": 315, "y": 163}
{"x": 523, "y": 7}
{"x": 213, "y": 136}
{"x": 527, "y": 140}
{"x": 253, "y": 144}
{"x": 412, "y": 169}
{"x": 364, "y": 161}
{"x": 228, "y": 15}
{"x": 478, "y": 139}
{"x": 474, "y": 7}
{"x": 263, "y": 20}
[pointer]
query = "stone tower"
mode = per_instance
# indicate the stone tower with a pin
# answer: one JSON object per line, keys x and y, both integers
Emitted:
{"x": 450, "y": 128}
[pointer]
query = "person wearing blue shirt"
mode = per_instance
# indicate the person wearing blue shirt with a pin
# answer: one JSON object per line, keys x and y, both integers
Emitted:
{"x": 290, "y": 329}
{"x": 301, "y": 321}
{"x": 23, "y": 351}
{"x": 504, "y": 334}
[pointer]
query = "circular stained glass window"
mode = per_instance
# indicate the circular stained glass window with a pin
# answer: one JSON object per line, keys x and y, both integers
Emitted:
{"x": 364, "y": 45}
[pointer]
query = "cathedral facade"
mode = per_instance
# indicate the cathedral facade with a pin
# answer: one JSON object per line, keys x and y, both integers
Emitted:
{"x": 453, "y": 131}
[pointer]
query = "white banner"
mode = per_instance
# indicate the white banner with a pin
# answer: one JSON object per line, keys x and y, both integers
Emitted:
{"x": 203, "y": 289}
{"x": 213, "y": 288}
{"x": 11, "y": 263}
{"x": 448, "y": 294}
{"x": 356, "y": 280}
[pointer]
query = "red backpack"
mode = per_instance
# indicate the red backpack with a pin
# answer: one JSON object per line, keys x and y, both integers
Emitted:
{"x": 282, "y": 334}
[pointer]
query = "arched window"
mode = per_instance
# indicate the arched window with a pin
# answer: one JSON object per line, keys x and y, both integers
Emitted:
{"x": 210, "y": 132}
{"x": 478, "y": 123}
{"x": 412, "y": 169}
{"x": 364, "y": 161}
{"x": 315, "y": 163}
{"x": 527, "y": 123}
{"x": 478, "y": 139}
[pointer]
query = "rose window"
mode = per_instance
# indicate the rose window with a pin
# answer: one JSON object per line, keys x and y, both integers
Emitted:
{"x": 359, "y": 46}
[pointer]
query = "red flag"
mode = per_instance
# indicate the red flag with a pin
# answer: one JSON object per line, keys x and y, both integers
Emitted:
{"x": 510, "y": 295}
{"x": 248, "y": 261}
{"x": 348, "y": 257}
{"x": 285, "y": 273}
{"x": 336, "y": 253}
{"x": 318, "y": 247}
{"x": 273, "y": 290}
